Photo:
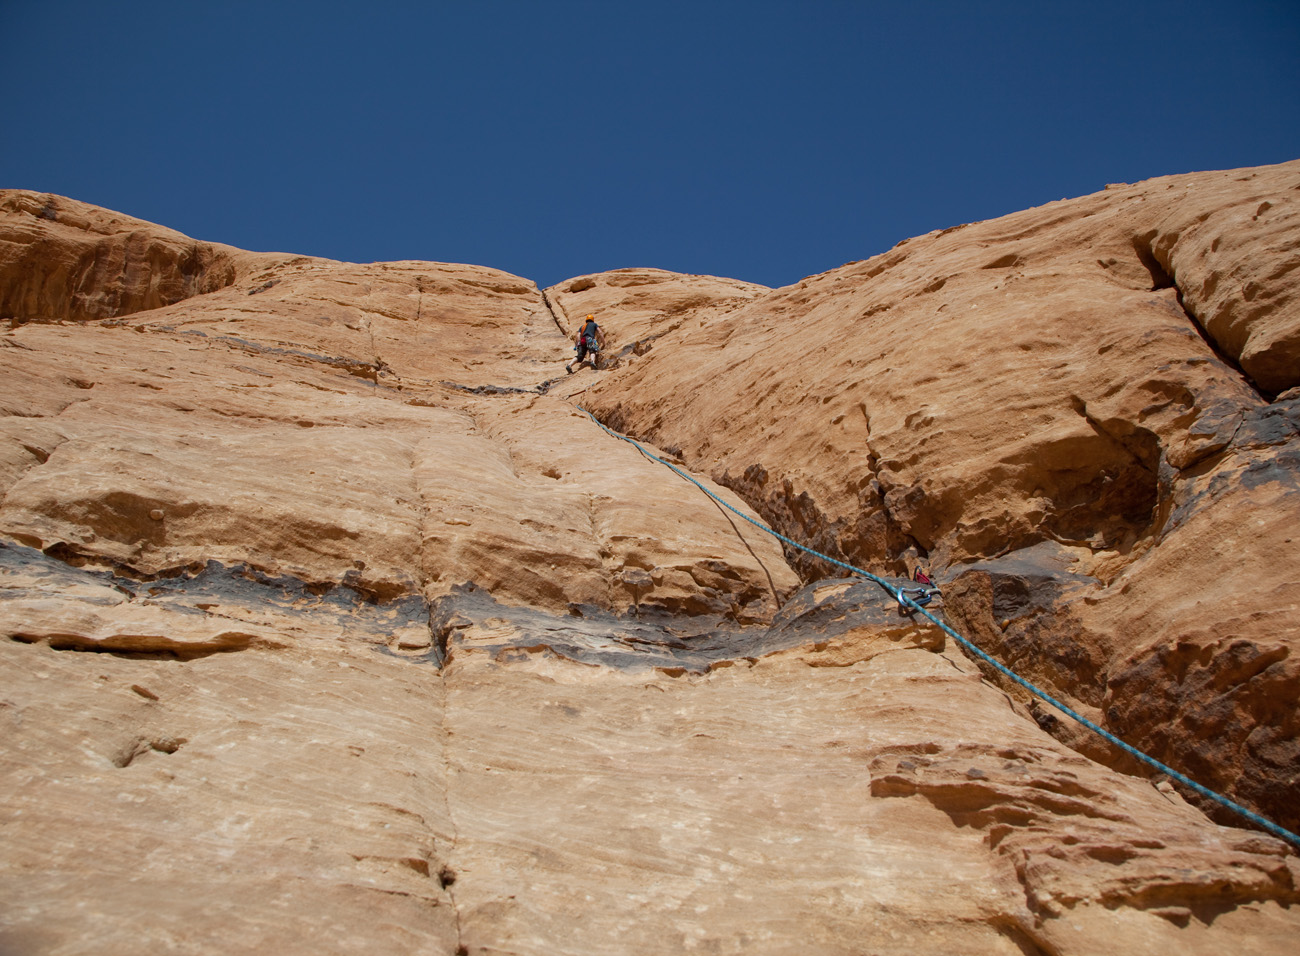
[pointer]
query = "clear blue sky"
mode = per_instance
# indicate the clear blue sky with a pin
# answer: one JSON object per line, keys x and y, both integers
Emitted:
{"x": 758, "y": 140}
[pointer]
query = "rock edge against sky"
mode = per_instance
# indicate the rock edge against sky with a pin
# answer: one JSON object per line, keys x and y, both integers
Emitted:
{"x": 335, "y": 625}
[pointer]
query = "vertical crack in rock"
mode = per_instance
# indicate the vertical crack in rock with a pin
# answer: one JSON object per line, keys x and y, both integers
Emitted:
{"x": 603, "y": 549}
{"x": 878, "y": 531}
{"x": 379, "y": 364}
{"x": 438, "y": 634}
{"x": 1155, "y": 259}
{"x": 873, "y": 459}
{"x": 552, "y": 307}
{"x": 1022, "y": 936}
{"x": 437, "y": 640}
{"x": 447, "y": 874}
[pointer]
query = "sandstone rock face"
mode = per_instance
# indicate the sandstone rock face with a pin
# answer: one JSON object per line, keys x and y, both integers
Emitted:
{"x": 332, "y": 622}
{"x": 68, "y": 260}
{"x": 644, "y": 304}
{"x": 1071, "y": 417}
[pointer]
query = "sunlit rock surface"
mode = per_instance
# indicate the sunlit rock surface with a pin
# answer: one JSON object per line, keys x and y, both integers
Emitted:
{"x": 333, "y": 623}
{"x": 1049, "y": 410}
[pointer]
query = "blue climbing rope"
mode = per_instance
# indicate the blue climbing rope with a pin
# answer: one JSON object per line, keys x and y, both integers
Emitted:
{"x": 903, "y": 598}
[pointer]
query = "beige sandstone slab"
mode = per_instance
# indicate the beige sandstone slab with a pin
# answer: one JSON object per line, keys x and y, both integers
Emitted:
{"x": 1077, "y": 375}
{"x": 262, "y": 481}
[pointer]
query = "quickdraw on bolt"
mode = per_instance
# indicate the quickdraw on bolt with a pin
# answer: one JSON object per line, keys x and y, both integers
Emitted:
{"x": 919, "y": 596}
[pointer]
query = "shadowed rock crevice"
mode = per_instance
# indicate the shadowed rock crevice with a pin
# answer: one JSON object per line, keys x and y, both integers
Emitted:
{"x": 1200, "y": 703}
{"x": 1024, "y": 610}
{"x": 828, "y": 618}
{"x": 213, "y": 577}
{"x": 1215, "y": 709}
{"x": 874, "y": 538}
{"x": 556, "y": 310}
{"x": 1020, "y": 609}
{"x": 1021, "y": 935}
{"x": 156, "y": 647}
{"x": 1104, "y": 494}
{"x": 1104, "y": 489}
{"x": 1153, "y": 250}
{"x": 495, "y": 389}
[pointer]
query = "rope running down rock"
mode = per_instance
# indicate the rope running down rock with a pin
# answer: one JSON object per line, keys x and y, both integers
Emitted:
{"x": 900, "y": 595}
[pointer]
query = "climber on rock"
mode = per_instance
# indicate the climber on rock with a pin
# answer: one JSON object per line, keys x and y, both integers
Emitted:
{"x": 589, "y": 341}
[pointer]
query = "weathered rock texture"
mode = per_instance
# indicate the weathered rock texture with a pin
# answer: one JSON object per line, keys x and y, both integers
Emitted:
{"x": 1073, "y": 417}
{"x": 332, "y": 623}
